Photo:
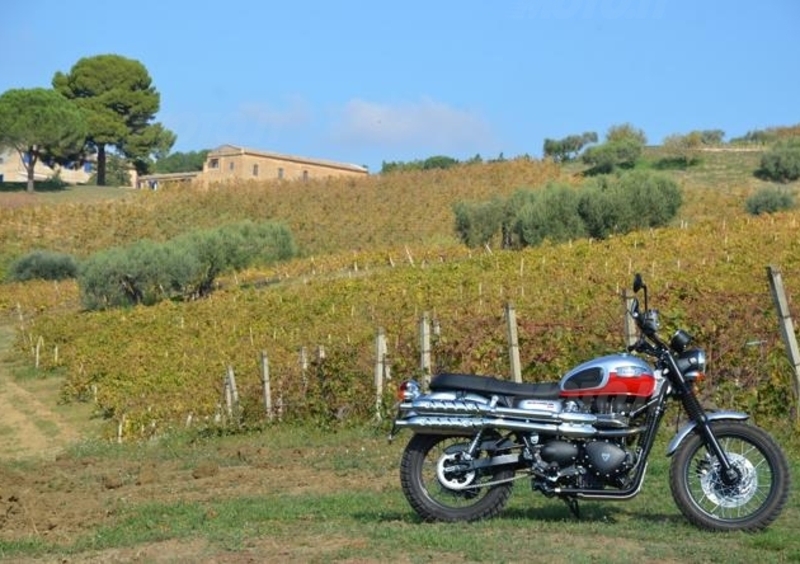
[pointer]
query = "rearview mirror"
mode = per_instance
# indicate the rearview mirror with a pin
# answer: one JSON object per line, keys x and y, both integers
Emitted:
{"x": 638, "y": 283}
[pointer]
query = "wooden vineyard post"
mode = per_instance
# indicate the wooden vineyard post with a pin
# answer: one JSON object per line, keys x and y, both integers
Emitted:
{"x": 381, "y": 371}
{"x": 265, "y": 383}
{"x": 629, "y": 326}
{"x": 37, "y": 351}
{"x": 425, "y": 349}
{"x": 120, "y": 428}
{"x": 227, "y": 393}
{"x": 304, "y": 369}
{"x": 232, "y": 396}
{"x": 787, "y": 330}
{"x": 513, "y": 343}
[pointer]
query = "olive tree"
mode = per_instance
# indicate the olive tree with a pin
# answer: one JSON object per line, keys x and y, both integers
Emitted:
{"x": 622, "y": 147}
{"x": 40, "y": 124}
{"x": 782, "y": 162}
{"x": 568, "y": 148}
{"x": 120, "y": 103}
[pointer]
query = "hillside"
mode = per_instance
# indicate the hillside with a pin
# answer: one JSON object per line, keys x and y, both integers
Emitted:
{"x": 378, "y": 254}
{"x": 333, "y": 215}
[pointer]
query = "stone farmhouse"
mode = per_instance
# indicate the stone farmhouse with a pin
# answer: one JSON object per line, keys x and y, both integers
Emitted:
{"x": 12, "y": 169}
{"x": 233, "y": 163}
{"x": 224, "y": 164}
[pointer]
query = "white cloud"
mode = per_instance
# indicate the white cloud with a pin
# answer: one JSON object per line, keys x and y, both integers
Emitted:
{"x": 427, "y": 126}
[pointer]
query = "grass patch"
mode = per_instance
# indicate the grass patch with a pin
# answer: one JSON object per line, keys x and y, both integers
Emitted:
{"x": 370, "y": 525}
{"x": 350, "y": 519}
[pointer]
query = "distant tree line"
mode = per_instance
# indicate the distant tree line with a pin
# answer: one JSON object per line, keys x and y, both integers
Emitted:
{"x": 181, "y": 162}
{"x": 622, "y": 147}
{"x": 106, "y": 102}
{"x": 681, "y": 150}
{"x": 768, "y": 136}
{"x": 436, "y": 162}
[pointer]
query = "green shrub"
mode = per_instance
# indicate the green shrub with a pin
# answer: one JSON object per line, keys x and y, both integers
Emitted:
{"x": 769, "y": 200}
{"x": 550, "y": 213}
{"x": 604, "y": 209}
{"x": 45, "y": 265}
{"x": 265, "y": 243}
{"x": 478, "y": 222}
{"x": 143, "y": 273}
{"x": 605, "y": 205}
{"x": 101, "y": 280}
{"x": 613, "y": 154}
{"x": 183, "y": 268}
{"x": 622, "y": 148}
{"x": 781, "y": 163}
{"x": 636, "y": 199}
{"x": 654, "y": 199}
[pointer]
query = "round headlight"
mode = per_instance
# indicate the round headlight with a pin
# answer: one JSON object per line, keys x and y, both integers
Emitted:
{"x": 692, "y": 364}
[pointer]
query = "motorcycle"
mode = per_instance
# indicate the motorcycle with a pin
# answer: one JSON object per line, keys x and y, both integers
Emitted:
{"x": 588, "y": 437}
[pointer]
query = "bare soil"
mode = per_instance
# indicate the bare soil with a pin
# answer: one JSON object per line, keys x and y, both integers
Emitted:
{"x": 50, "y": 494}
{"x": 29, "y": 426}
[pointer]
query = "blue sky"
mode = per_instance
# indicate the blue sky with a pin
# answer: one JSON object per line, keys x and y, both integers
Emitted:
{"x": 368, "y": 81}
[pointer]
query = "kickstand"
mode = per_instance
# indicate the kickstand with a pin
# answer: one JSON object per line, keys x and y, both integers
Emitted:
{"x": 572, "y": 503}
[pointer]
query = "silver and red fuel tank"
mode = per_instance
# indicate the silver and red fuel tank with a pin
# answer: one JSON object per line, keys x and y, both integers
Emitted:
{"x": 613, "y": 375}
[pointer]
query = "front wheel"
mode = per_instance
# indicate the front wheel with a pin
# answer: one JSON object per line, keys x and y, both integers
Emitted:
{"x": 750, "y": 502}
{"x": 441, "y": 483}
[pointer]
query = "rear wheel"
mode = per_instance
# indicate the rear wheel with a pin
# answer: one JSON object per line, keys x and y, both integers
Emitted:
{"x": 750, "y": 502}
{"x": 441, "y": 484}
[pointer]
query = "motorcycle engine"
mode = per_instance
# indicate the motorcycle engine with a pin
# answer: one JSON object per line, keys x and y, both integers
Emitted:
{"x": 591, "y": 463}
{"x": 585, "y": 464}
{"x": 606, "y": 459}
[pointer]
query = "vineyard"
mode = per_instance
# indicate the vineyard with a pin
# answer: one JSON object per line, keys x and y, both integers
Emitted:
{"x": 377, "y": 255}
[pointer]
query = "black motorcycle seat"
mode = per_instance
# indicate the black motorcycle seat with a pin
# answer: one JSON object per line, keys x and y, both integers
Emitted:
{"x": 492, "y": 385}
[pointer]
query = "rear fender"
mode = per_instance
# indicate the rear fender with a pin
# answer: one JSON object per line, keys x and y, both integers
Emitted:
{"x": 687, "y": 429}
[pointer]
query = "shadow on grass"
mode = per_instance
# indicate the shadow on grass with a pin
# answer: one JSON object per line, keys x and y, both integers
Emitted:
{"x": 767, "y": 176}
{"x": 676, "y": 163}
{"x": 555, "y": 513}
{"x": 39, "y": 186}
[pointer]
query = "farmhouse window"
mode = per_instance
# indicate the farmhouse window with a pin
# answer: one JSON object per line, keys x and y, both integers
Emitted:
{"x": 213, "y": 163}
{"x": 280, "y": 173}
{"x": 305, "y": 175}
{"x": 230, "y": 165}
{"x": 255, "y": 170}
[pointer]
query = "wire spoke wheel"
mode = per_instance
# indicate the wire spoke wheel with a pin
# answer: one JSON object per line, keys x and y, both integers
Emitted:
{"x": 751, "y": 500}
{"x": 736, "y": 500}
{"x": 441, "y": 482}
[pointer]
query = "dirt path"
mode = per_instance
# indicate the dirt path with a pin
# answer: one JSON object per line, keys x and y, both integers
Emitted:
{"x": 30, "y": 426}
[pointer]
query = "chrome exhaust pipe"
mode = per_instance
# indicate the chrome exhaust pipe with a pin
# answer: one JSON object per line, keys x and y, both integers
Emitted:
{"x": 434, "y": 424}
{"x": 430, "y": 406}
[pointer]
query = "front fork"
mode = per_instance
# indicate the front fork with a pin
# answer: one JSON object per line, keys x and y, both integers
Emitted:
{"x": 697, "y": 414}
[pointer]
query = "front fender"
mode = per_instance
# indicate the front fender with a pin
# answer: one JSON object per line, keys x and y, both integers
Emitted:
{"x": 686, "y": 430}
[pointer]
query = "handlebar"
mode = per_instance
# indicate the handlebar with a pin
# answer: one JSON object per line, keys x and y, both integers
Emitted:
{"x": 642, "y": 346}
